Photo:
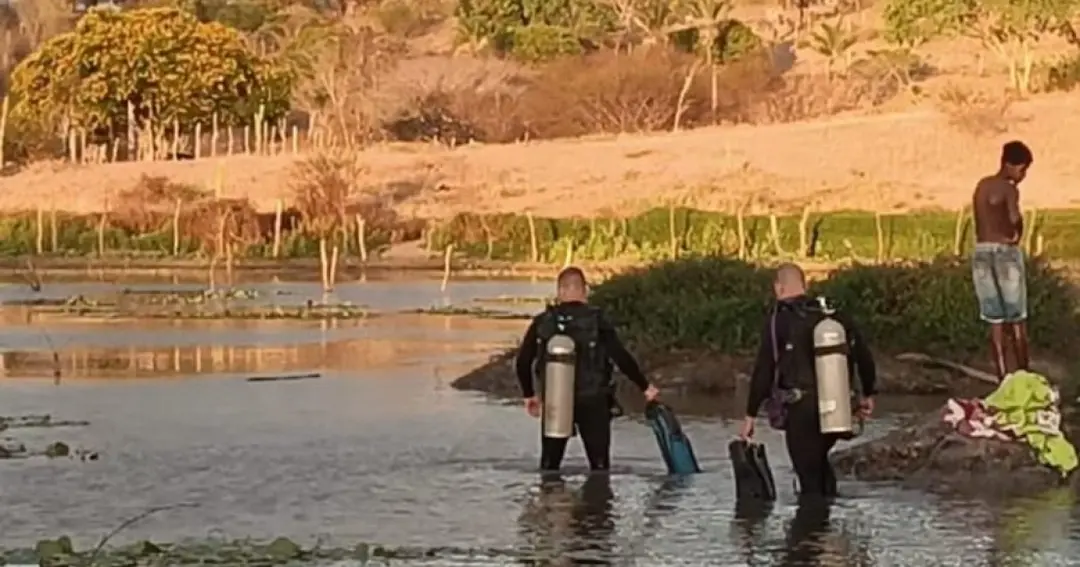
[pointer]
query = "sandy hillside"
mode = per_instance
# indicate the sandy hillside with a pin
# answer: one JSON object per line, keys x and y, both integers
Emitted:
{"x": 890, "y": 161}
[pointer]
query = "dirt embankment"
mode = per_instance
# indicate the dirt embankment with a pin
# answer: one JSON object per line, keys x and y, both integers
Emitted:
{"x": 929, "y": 454}
{"x": 889, "y": 161}
{"x": 709, "y": 373}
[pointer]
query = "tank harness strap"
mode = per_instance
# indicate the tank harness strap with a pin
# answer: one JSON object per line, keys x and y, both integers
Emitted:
{"x": 836, "y": 349}
{"x": 775, "y": 347}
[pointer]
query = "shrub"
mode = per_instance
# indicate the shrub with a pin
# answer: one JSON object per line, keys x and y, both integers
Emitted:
{"x": 542, "y": 42}
{"x": 562, "y": 95}
{"x": 453, "y": 100}
{"x": 708, "y": 302}
{"x": 495, "y": 21}
{"x": 928, "y": 307}
{"x": 28, "y": 140}
{"x": 608, "y": 92}
{"x": 1063, "y": 75}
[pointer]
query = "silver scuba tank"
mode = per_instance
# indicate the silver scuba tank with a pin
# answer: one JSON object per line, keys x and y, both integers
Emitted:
{"x": 833, "y": 374}
{"x": 559, "y": 376}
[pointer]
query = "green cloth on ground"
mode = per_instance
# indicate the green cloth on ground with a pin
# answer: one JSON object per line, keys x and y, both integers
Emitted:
{"x": 1025, "y": 405}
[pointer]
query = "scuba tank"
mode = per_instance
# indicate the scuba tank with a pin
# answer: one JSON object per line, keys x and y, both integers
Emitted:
{"x": 833, "y": 373}
{"x": 559, "y": 377}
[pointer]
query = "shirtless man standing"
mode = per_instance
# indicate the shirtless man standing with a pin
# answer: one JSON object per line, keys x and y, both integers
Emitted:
{"x": 997, "y": 267}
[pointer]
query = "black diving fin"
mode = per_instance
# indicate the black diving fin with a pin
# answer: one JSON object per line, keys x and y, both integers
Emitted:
{"x": 675, "y": 446}
{"x": 753, "y": 476}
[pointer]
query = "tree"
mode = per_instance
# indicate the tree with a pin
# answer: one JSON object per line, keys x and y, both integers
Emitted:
{"x": 324, "y": 187}
{"x": 224, "y": 229}
{"x": 497, "y": 22}
{"x": 337, "y": 70}
{"x": 705, "y": 28}
{"x": 162, "y": 63}
{"x": 1008, "y": 28}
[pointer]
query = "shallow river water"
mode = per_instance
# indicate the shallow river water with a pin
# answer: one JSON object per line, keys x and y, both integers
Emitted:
{"x": 381, "y": 449}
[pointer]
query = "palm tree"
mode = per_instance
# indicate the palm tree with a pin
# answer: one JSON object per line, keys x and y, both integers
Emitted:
{"x": 833, "y": 42}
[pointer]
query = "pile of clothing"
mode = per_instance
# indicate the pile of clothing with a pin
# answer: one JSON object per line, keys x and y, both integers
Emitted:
{"x": 1023, "y": 408}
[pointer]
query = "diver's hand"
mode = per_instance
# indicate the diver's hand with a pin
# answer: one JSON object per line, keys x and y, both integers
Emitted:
{"x": 651, "y": 393}
{"x": 746, "y": 433}
{"x": 532, "y": 406}
{"x": 866, "y": 407}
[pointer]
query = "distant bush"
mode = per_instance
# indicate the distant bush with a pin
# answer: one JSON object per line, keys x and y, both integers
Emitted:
{"x": 543, "y": 42}
{"x": 929, "y": 307}
{"x": 608, "y": 92}
{"x": 1064, "y": 75}
{"x": 734, "y": 41}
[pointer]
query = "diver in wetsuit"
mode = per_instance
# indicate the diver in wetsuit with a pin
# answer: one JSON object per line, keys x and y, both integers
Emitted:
{"x": 598, "y": 346}
{"x": 785, "y": 369}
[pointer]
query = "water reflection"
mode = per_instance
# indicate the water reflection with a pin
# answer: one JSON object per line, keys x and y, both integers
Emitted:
{"x": 1030, "y": 525}
{"x": 562, "y": 526}
{"x": 189, "y": 348}
{"x": 376, "y": 295}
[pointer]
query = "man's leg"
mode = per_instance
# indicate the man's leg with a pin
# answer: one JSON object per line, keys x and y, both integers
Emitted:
{"x": 998, "y": 346}
{"x": 828, "y": 475}
{"x": 1020, "y": 343}
{"x": 552, "y": 450}
{"x": 594, "y": 425}
{"x": 805, "y": 445}
{"x": 991, "y": 305}
{"x": 1011, "y": 277}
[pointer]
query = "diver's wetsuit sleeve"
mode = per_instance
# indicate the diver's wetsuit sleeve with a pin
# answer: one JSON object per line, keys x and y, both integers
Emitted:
{"x": 618, "y": 354}
{"x": 761, "y": 379}
{"x": 864, "y": 359}
{"x": 523, "y": 364}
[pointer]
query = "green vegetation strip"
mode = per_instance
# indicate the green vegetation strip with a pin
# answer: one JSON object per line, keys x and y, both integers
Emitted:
{"x": 665, "y": 232}
{"x": 477, "y": 312}
{"x": 71, "y": 235}
{"x": 720, "y": 304}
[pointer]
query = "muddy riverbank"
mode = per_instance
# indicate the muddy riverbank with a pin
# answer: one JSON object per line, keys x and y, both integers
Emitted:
{"x": 247, "y": 269}
{"x": 712, "y": 373}
{"x": 926, "y": 453}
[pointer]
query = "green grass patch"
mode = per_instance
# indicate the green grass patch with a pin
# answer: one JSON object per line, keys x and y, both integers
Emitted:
{"x": 663, "y": 233}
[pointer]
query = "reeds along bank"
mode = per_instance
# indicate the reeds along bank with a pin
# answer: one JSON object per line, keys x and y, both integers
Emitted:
{"x": 670, "y": 232}
{"x": 201, "y": 227}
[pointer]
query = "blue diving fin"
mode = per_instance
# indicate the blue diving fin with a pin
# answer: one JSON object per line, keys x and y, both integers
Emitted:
{"x": 675, "y": 446}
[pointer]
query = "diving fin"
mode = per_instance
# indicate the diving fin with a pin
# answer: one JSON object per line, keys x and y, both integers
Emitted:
{"x": 675, "y": 446}
{"x": 753, "y": 476}
{"x": 761, "y": 463}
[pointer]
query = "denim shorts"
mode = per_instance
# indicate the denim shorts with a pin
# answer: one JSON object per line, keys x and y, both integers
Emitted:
{"x": 1000, "y": 282}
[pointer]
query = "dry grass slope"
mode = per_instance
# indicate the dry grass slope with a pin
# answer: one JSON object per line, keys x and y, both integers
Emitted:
{"x": 905, "y": 161}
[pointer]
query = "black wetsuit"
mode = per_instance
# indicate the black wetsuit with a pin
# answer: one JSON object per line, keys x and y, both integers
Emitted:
{"x": 789, "y": 364}
{"x": 594, "y": 388}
